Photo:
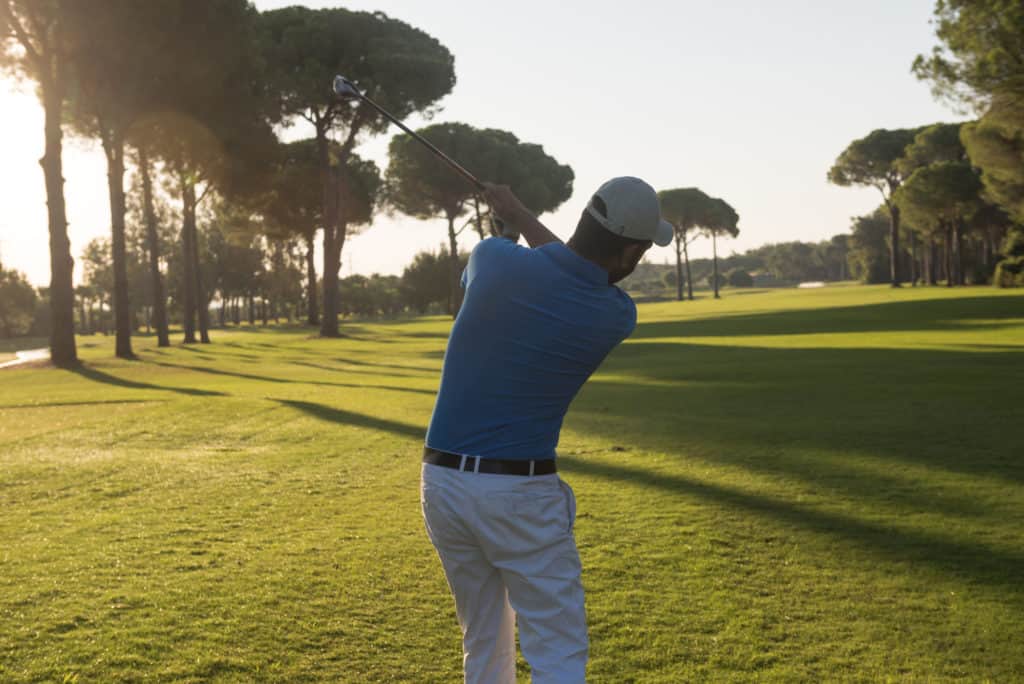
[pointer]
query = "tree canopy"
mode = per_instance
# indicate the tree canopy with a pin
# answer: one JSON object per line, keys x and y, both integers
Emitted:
{"x": 944, "y": 191}
{"x": 936, "y": 143}
{"x": 875, "y": 161}
{"x": 421, "y": 185}
{"x": 721, "y": 219}
{"x": 995, "y": 144}
{"x": 685, "y": 208}
{"x": 981, "y": 51}
{"x": 402, "y": 68}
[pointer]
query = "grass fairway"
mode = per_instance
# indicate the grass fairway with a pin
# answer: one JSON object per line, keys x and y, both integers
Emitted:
{"x": 781, "y": 486}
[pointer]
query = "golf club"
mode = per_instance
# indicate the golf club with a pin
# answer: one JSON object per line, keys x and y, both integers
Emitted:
{"x": 345, "y": 89}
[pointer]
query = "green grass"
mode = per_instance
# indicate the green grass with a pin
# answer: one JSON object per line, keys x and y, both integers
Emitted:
{"x": 781, "y": 486}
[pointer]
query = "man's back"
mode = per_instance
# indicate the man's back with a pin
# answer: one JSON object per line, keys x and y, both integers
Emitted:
{"x": 534, "y": 325}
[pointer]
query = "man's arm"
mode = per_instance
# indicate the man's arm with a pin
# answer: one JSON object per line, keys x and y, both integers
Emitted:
{"x": 509, "y": 209}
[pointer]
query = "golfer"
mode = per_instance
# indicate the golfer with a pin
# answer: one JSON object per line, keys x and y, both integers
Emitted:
{"x": 535, "y": 324}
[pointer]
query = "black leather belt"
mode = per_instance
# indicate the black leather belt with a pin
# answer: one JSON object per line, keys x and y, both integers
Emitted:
{"x": 493, "y": 466}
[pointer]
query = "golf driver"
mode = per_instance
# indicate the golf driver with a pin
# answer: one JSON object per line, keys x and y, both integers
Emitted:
{"x": 345, "y": 89}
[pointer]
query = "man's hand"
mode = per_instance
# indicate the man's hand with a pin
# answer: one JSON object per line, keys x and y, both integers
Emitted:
{"x": 504, "y": 203}
{"x": 507, "y": 207}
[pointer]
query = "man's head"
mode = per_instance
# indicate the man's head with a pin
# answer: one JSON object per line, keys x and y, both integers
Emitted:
{"x": 621, "y": 222}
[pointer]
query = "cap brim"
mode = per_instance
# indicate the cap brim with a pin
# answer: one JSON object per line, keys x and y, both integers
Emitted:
{"x": 665, "y": 233}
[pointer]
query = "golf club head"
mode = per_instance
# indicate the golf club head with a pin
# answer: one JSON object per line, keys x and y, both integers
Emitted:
{"x": 344, "y": 88}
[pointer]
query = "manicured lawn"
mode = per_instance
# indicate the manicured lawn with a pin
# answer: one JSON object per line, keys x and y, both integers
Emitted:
{"x": 779, "y": 486}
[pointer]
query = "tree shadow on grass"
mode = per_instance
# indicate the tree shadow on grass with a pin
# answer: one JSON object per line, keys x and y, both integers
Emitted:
{"x": 368, "y": 364}
{"x": 351, "y": 418}
{"x": 198, "y": 354}
{"x": 392, "y": 388}
{"x": 980, "y": 562}
{"x": 965, "y": 313}
{"x": 99, "y": 376}
{"x": 217, "y": 371}
{"x": 267, "y": 378}
{"x": 754, "y": 407}
{"x": 357, "y": 362}
{"x": 48, "y": 404}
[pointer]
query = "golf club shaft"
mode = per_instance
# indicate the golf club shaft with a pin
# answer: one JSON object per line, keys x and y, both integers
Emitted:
{"x": 454, "y": 164}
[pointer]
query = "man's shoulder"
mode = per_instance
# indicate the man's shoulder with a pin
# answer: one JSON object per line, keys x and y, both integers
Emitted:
{"x": 496, "y": 247}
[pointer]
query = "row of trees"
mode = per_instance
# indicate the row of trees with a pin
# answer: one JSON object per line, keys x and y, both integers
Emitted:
{"x": 191, "y": 94}
{"x": 259, "y": 282}
{"x": 955, "y": 192}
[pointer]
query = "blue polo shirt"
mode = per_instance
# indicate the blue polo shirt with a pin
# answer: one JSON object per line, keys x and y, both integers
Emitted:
{"x": 534, "y": 325}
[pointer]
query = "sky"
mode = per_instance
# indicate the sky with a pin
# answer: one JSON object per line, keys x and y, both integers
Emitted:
{"x": 748, "y": 100}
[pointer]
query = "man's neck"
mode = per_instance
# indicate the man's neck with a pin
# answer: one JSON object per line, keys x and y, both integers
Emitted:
{"x": 604, "y": 267}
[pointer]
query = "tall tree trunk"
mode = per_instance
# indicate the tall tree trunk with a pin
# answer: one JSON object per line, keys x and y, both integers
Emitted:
{"x": 252, "y": 310}
{"x": 679, "y": 269}
{"x": 82, "y": 328}
{"x": 263, "y": 310}
{"x": 113, "y": 148}
{"x": 894, "y": 244}
{"x": 933, "y": 261}
{"x": 332, "y": 265}
{"x": 926, "y": 264}
{"x": 202, "y": 301}
{"x": 958, "y": 246}
{"x": 454, "y": 289}
{"x": 332, "y": 255}
{"x": 188, "y": 208}
{"x": 913, "y": 259}
{"x": 159, "y": 303}
{"x": 312, "y": 307}
{"x": 689, "y": 276}
{"x": 714, "y": 260}
{"x": 948, "y": 237}
{"x": 63, "y": 352}
{"x": 334, "y": 240}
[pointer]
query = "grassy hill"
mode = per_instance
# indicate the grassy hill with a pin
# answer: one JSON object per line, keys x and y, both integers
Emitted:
{"x": 784, "y": 485}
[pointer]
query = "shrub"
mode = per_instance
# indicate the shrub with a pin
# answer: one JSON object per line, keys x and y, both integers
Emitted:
{"x": 18, "y": 303}
{"x": 1009, "y": 272}
{"x": 738, "y": 277}
{"x": 711, "y": 280}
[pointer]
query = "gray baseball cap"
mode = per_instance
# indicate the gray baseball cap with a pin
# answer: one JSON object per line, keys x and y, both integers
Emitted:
{"x": 633, "y": 210}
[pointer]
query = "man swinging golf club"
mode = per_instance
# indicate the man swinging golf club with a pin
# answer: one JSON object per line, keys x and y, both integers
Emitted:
{"x": 535, "y": 324}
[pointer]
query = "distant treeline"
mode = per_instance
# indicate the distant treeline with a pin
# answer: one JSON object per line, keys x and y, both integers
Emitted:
{"x": 776, "y": 265}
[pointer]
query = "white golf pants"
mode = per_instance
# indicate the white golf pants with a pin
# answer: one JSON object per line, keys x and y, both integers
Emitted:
{"x": 507, "y": 548}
